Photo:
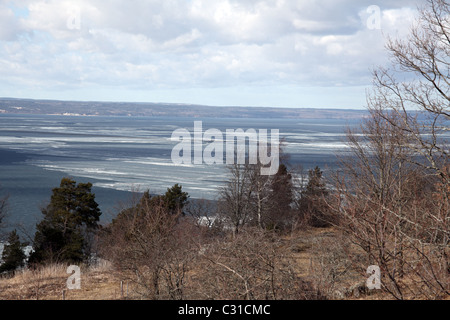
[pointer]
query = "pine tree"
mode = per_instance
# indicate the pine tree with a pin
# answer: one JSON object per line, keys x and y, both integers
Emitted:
{"x": 312, "y": 206}
{"x": 69, "y": 219}
{"x": 172, "y": 202}
{"x": 13, "y": 255}
{"x": 175, "y": 198}
{"x": 280, "y": 198}
{"x": 316, "y": 186}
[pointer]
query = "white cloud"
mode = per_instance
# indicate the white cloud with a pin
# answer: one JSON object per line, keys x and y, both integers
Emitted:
{"x": 10, "y": 26}
{"x": 177, "y": 44}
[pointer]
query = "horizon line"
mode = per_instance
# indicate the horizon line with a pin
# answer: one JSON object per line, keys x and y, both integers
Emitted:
{"x": 185, "y": 104}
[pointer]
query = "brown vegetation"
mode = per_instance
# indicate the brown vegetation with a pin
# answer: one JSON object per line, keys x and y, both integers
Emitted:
{"x": 289, "y": 267}
{"x": 393, "y": 193}
{"x": 289, "y": 236}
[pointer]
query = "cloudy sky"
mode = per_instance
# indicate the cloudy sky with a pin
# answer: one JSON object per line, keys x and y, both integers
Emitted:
{"x": 280, "y": 53}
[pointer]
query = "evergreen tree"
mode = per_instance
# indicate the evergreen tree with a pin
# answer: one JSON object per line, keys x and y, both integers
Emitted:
{"x": 316, "y": 185}
{"x": 280, "y": 198}
{"x": 13, "y": 255}
{"x": 69, "y": 219}
{"x": 312, "y": 205}
{"x": 175, "y": 198}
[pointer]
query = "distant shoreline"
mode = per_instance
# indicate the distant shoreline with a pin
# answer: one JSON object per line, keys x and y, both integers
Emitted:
{"x": 136, "y": 109}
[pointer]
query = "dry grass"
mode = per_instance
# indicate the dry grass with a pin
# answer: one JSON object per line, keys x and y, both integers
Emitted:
{"x": 339, "y": 274}
{"x": 313, "y": 259}
{"x": 101, "y": 282}
{"x": 48, "y": 283}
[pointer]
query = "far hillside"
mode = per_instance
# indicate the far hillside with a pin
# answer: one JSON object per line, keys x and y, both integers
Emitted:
{"x": 96, "y": 108}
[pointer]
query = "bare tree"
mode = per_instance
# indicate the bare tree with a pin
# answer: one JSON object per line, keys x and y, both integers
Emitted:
{"x": 393, "y": 193}
{"x": 425, "y": 57}
{"x": 235, "y": 203}
{"x": 250, "y": 197}
{"x": 203, "y": 211}
{"x": 260, "y": 194}
{"x": 152, "y": 247}
{"x": 421, "y": 105}
{"x": 365, "y": 195}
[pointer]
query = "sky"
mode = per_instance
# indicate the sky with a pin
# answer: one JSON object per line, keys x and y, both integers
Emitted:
{"x": 269, "y": 53}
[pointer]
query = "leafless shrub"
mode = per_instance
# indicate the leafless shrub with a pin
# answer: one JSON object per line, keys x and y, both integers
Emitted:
{"x": 385, "y": 206}
{"x": 205, "y": 216}
{"x": 336, "y": 265}
{"x": 252, "y": 265}
{"x": 235, "y": 198}
{"x": 153, "y": 247}
{"x": 393, "y": 193}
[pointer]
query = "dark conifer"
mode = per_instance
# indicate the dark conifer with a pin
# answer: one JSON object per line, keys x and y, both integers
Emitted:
{"x": 13, "y": 255}
{"x": 68, "y": 221}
